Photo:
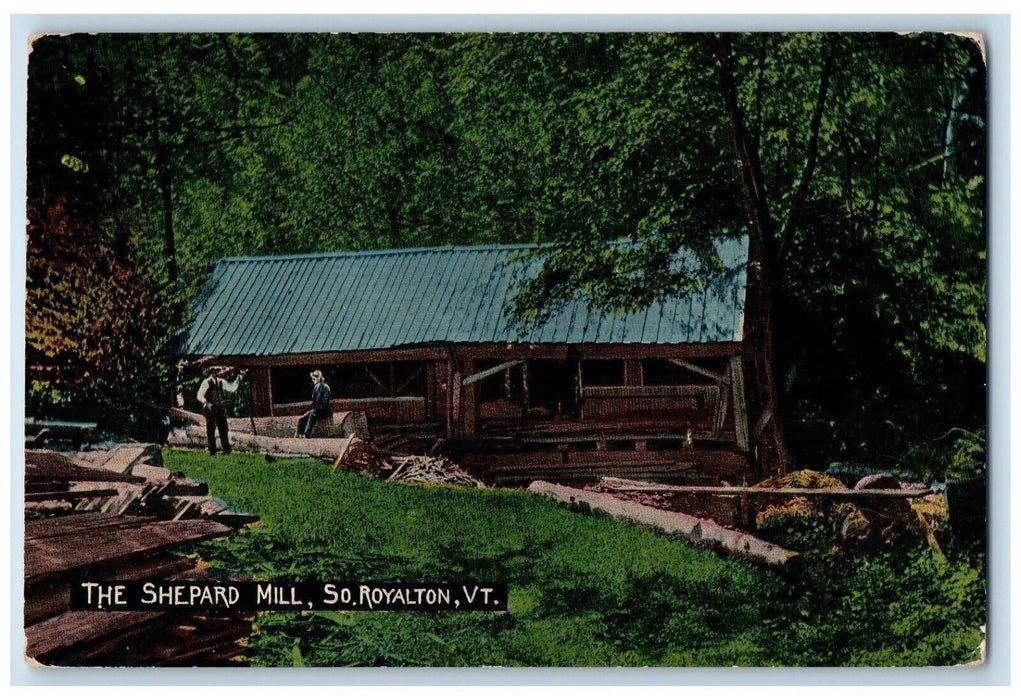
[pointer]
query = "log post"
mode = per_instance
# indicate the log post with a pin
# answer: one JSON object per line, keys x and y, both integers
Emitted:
{"x": 740, "y": 406}
{"x": 633, "y": 375}
{"x": 451, "y": 390}
{"x": 469, "y": 400}
{"x": 524, "y": 390}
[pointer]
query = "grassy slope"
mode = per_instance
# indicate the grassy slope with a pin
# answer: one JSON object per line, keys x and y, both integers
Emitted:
{"x": 583, "y": 590}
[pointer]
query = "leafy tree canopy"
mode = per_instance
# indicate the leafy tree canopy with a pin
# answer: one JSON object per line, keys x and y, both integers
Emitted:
{"x": 871, "y": 149}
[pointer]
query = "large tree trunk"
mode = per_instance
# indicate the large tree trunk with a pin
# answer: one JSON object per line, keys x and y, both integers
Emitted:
{"x": 760, "y": 322}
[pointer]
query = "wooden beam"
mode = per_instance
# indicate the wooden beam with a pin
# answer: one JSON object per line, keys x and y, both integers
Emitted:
{"x": 633, "y": 374}
{"x": 525, "y": 398}
{"x": 409, "y": 380}
{"x": 438, "y": 352}
{"x": 455, "y": 405}
{"x": 760, "y": 425}
{"x": 698, "y": 370}
{"x": 478, "y": 376}
{"x": 721, "y": 408}
{"x": 620, "y": 351}
{"x": 469, "y": 401}
{"x": 377, "y": 380}
{"x": 482, "y": 351}
{"x": 262, "y": 388}
{"x": 740, "y": 407}
{"x": 849, "y": 494}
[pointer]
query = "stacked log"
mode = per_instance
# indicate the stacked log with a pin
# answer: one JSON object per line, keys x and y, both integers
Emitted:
{"x": 118, "y": 515}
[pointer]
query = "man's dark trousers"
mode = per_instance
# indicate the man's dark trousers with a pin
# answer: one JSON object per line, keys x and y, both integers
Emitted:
{"x": 216, "y": 419}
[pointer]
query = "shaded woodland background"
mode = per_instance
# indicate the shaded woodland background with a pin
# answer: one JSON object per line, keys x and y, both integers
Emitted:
{"x": 150, "y": 155}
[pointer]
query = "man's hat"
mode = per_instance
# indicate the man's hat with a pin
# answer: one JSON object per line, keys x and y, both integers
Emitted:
{"x": 211, "y": 370}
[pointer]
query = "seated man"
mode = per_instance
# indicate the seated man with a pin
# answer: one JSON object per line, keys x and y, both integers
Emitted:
{"x": 320, "y": 406}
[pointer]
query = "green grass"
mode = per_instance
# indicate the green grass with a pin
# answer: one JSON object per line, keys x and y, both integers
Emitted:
{"x": 584, "y": 590}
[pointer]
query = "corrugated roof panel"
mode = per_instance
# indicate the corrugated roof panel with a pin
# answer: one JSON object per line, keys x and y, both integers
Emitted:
{"x": 374, "y": 299}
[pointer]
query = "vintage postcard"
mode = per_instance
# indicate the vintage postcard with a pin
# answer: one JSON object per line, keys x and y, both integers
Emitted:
{"x": 600, "y": 349}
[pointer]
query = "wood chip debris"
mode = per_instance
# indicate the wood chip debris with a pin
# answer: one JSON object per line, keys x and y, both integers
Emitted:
{"x": 431, "y": 470}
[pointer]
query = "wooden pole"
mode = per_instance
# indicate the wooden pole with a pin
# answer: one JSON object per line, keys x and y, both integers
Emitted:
{"x": 740, "y": 406}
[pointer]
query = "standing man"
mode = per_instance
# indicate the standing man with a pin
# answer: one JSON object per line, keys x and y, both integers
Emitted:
{"x": 212, "y": 396}
{"x": 320, "y": 406}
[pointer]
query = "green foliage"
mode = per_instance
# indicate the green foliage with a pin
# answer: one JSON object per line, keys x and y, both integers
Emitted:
{"x": 203, "y": 146}
{"x": 899, "y": 603}
{"x": 584, "y": 590}
{"x": 93, "y": 324}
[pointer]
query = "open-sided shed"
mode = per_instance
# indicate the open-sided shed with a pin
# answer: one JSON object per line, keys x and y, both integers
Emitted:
{"x": 422, "y": 337}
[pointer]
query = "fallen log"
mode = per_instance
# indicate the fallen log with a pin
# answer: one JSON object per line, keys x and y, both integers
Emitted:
{"x": 322, "y": 448}
{"x": 342, "y": 424}
{"x": 695, "y": 530}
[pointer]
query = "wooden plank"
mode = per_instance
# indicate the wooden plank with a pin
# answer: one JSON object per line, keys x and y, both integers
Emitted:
{"x": 65, "y": 553}
{"x": 123, "y": 457}
{"x": 478, "y": 376}
{"x": 44, "y": 464}
{"x": 699, "y": 391}
{"x": 590, "y": 474}
{"x": 694, "y": 530}
{"x": 52, "y": 597}
{"x": 723, "y": 459}
{"x": 69, "y": 495}
{"x": 698, "y": 370}
{"x": 850, "y": 494}
{"x": 79, "y": 523}
{"x": 610, "y": 437}
{"x": 617, "y": 351}
{"x": 740, "y": 407}
{"x": 199, "y": 639}
{"x": 73, "y": 628}
{"x": 74, "y": 425}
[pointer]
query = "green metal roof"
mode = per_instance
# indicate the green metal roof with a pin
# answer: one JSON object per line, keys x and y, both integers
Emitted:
{"x": 324, "y": 302}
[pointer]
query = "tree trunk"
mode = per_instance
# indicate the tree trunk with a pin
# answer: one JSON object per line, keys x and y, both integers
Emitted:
{"x": 166, "y": 198}
{"x": 762, "y": 254}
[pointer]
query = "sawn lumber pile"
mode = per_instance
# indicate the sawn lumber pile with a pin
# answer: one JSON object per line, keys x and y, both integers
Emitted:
{"x": 111, "y": 516}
